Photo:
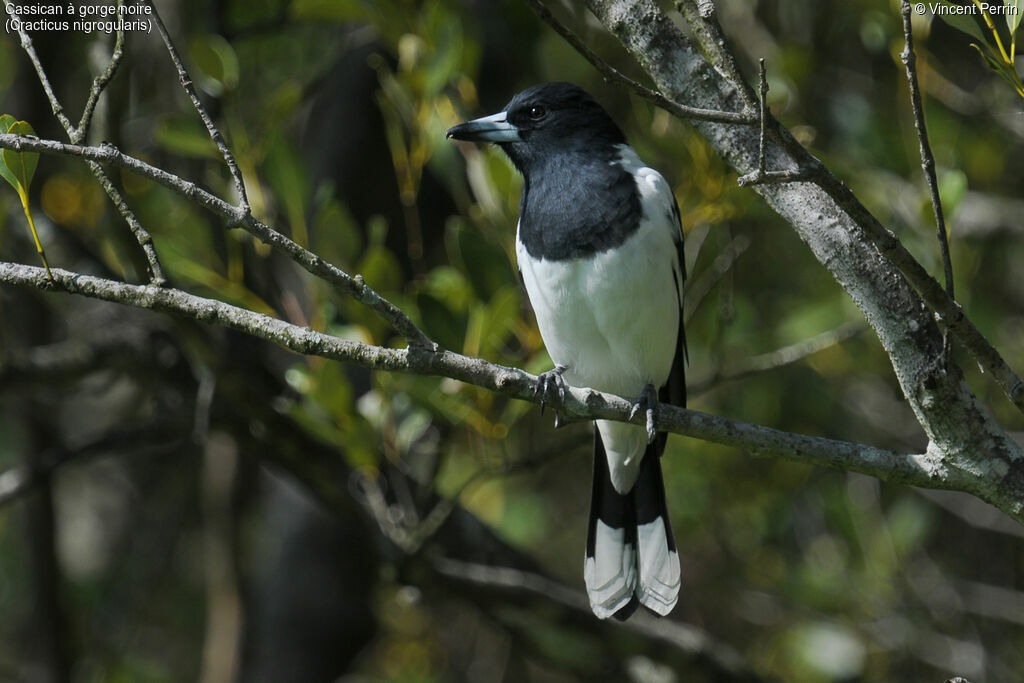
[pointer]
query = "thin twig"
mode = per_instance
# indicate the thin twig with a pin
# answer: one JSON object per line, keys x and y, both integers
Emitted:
{"x": 353, "y": 286}
{"x": 789, "y": 175}
{"x": 26, "y": 44}
{"x": 610, "y": 73}
{"x": 927, "y": 159}
{"x": 762, "y": 176}
{"x": 76, "y": 135}
{"x": 99, "y": 84}
{"x": 189, "y": 88}
{"x": 142, "y": 236}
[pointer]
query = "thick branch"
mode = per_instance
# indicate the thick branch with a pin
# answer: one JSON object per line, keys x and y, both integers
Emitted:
{"x": 682, "y": 73}
{"x": 996, "y": 484}
{"x": 848, "y": 241}
{"x": 352, "y": 286}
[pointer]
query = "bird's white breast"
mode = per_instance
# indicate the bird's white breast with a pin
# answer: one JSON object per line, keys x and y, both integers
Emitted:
{"x": 612, "y": 318}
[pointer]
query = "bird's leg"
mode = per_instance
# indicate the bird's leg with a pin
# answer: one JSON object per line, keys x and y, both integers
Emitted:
{"x": 548, "y": 382}
{"x": 647, "y": 401}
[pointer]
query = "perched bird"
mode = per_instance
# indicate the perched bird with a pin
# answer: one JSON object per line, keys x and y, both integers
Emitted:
{"x": 600, "y": 252}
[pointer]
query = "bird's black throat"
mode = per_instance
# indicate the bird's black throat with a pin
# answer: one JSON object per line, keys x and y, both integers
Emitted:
{"x": 575, "y": 206}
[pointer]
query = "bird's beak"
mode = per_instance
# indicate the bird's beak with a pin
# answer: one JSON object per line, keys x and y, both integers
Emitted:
{"x": 494, "y": 128}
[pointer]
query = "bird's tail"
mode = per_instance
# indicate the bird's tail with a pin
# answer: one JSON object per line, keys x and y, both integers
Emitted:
{"x": 631, "y": 554}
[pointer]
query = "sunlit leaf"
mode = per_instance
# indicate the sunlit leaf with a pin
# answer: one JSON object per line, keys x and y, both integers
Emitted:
{"x": 6, "y": 121}
{"x": 18, "y": 168}
{"x": 963, "y": 22}
{"x": 1013, "y": 16}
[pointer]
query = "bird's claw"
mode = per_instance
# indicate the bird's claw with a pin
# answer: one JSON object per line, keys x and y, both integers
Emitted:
{"x": 548, "y": 382}
{"x": 648, "y": 402}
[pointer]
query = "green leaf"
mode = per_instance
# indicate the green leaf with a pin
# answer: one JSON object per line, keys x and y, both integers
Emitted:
{"x": 6, "y": 121}
{"x": 1014, "y": 16}
{"x": 17, "y": 168}
{"x": 963, "y": 22}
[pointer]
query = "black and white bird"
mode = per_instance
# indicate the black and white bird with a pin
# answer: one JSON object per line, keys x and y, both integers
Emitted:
{"x": 600, "y": 251}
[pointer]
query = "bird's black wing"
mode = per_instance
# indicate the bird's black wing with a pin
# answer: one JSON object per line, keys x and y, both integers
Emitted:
{"x": 674, "y": 391}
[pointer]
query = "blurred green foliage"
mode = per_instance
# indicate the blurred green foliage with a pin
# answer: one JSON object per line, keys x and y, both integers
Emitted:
{"x": 812, "y": 575}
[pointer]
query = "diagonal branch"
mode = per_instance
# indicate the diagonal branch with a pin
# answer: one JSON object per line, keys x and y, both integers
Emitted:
{"x": 927, "y": 160}
{"x": 189, "y": 88}
{"x": 352, "y": 286}
{"x": 997, "y": 484}
{"x": 99, "y": 84}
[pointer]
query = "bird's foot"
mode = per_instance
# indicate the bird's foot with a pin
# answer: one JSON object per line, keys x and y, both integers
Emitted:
{"x": 648, "y": 402}
{"x": 549, "y": 385}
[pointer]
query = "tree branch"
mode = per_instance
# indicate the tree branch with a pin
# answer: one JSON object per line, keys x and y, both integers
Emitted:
{"x": 352, "y": 286}
{"x": 99, "y": 83}
{"x": 762, "y": 176}
{"x": 677, "y": 69}
{"x": 187, "y": 86}
{"x": 985, "y": 475}
{"x": 863, "y": 257}
{"x": 927, "y": 160}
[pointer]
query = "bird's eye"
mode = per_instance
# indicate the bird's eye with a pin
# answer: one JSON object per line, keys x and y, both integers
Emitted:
{"x": 537, "y": 113}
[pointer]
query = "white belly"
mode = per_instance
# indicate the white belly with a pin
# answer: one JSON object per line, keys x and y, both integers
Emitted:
{"x": 612, "y": 321}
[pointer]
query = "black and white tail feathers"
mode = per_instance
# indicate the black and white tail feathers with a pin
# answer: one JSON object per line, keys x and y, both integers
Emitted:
{"x": 631, "y": 554}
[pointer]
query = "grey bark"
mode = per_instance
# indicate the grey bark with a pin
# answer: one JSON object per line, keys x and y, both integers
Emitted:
{"x": 966, "y": 446}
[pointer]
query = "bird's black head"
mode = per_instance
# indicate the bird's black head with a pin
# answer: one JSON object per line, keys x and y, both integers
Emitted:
{"x": 543, "y": 121}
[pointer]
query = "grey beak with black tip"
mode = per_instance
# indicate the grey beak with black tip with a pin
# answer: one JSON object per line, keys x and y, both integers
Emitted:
{"x": 493, "y": 128}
